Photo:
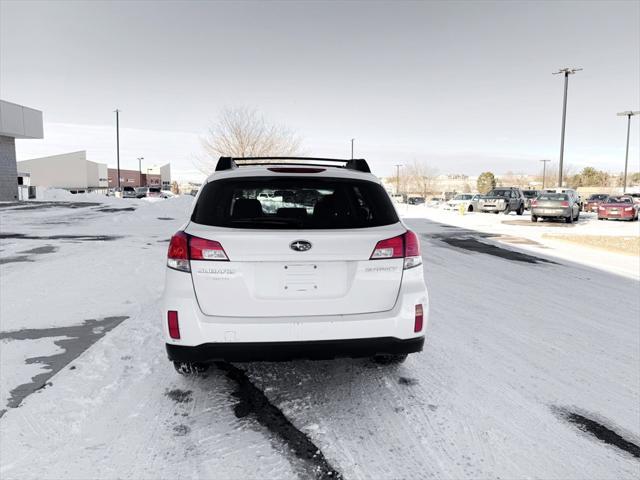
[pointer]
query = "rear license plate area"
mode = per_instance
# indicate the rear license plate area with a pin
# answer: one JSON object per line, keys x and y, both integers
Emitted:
{"x": 301, "y": 277}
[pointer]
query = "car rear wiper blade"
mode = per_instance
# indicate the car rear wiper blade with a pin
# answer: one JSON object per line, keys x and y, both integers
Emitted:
{"x": 263, "y": 220}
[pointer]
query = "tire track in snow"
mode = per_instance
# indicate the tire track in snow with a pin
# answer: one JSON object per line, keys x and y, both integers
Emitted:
{"x": 253, "y": 400}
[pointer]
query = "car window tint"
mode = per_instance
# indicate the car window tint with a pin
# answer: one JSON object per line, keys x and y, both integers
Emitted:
{"x": 293, "y": 203}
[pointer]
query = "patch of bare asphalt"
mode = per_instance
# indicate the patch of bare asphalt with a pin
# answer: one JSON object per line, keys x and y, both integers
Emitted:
{"x": 252, "y": 401}
{"x": 82, "y": 238}
{"x": 25, "y": 256}
{"x": 597, "y": 429}
{"x": 114, "y": 210}
{"x": 469, "y": 240}
{"x": 15, "y": 259}
{"x": 38, "y": 205}
{"x": 77, "y": 339}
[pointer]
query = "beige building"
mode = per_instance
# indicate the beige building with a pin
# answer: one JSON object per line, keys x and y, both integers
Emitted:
{"x": 70, "y": 171}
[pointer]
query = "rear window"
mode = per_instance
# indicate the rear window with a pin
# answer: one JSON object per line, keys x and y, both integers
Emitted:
{"x": 154, "y": 190}
{"x": 553, "y": 196}
{"x": 293, "y": 203}
{"x": 598, "y": 197}
{"x": 530, "y": 193}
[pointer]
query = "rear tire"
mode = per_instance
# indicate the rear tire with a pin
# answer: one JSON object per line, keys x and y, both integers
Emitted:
{"x": 189, "y": 369}
{"x": 390, "y": 359}
{"x": 520, "y": 210}
{"x": 569, "y": 219}
{"x": 470, "y": 209}
{"x": 534, "y": 219}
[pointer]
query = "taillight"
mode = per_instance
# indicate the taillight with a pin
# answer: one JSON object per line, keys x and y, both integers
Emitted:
{"x": 174, "y": 326}
{"x": 183, "y": 247}
{"x": 405, "y": 246}
{"x": 419, "y": 320}
{"x": 565, "y": 204}
{"x": 202, "y": 249}
{"x": 389, "y": 248}
{"x": 295, "y": 170}
{"x": 178, "y": 255}
{"x": 534, "y": 203}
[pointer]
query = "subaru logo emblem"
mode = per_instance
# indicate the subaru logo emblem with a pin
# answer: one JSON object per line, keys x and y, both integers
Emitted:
{"x": 300, "y": 245}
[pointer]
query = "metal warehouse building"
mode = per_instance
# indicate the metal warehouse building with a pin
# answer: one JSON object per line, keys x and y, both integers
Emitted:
{"x": 16, "y": 121}
{"x": 71, "y": 171}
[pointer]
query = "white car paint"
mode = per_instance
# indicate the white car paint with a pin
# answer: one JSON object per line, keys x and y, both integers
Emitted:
{"x": 268, "y": 292}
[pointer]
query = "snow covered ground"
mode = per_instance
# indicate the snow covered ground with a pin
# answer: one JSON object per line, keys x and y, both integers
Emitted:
{"x": 528, "y": 351}
{"x": 544, "y": 238}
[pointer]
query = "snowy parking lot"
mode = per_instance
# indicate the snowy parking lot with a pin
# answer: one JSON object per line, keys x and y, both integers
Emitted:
{"x": 531, "y": 367}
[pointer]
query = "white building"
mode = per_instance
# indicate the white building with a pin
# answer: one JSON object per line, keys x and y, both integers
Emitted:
{"x": 16, "y": 121}
{"x": 71, "y": 171}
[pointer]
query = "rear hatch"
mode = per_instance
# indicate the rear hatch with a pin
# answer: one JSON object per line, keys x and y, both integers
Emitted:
{"x": 552, "y": 203}
{"x": 296, "y": 246}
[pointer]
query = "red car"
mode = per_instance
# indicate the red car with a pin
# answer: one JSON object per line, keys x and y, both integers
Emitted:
{"x": 621, "y": 208}
{"x": 594, "y": 201}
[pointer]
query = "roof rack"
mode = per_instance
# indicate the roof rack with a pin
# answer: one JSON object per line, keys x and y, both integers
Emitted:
{"x": 229, "y": 163}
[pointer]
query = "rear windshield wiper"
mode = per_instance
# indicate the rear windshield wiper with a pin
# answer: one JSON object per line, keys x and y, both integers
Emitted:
{"x": 267, "y": 221}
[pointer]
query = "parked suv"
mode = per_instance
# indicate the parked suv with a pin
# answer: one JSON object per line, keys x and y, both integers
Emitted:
{"x": 252, "y": 278}
{"x": 529, "y": 196}
{"x": 503, "y": 199}
{"x": 129, "y": 192}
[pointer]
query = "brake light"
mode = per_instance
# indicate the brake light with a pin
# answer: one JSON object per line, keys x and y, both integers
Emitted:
{"x": 183, "y": 247}
{"x": 565, "y": 204}
{"x": 178, "y": 255}
{"x": 405, "y": 246}
{"x": 389, "y": 248}
{"x": 534, "y": 203}
{"x": 295, "y": 170}
{"x": 419, "y": 319}
{"x": 202, "y": 249}
{"x": 174, "y": 326}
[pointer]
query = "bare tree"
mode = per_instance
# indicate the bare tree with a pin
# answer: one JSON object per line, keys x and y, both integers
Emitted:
{"x": 419, "y": 178}
{"x": 243, "y": 132}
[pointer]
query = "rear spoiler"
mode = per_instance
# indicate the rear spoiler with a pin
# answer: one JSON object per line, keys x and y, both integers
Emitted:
{"x": 229, "y": 163}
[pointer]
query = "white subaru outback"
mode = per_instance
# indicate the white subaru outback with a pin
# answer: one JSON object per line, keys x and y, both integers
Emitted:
{"x": 288, "y": 258}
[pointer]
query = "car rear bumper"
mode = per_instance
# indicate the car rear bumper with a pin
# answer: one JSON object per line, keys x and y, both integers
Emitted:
{"x": 283, "y": 351}
{"x": 620, "y": 215}
{"x": 551, "y": 212}
{"x": 197, "y": 329}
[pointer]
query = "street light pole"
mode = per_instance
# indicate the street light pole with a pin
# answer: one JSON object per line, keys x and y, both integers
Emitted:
{"x": 628, "y": 114}
{"x": 352, "y": 140}
{"x": 140, "y": 170}
{"x": 566, "y": 72}
{"x": 544, "y": 171}
{"x": 398, "y": 178}
{"x": 118, "y": 143}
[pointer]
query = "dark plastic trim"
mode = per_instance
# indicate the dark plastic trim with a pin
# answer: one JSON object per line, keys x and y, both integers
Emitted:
{"x": 283, "y": 351}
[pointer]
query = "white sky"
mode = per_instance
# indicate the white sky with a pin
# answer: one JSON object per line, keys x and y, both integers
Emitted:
{"x": 465, "y": 86}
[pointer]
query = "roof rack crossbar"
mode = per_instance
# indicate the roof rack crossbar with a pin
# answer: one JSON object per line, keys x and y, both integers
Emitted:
{"x": 229, "y": 163}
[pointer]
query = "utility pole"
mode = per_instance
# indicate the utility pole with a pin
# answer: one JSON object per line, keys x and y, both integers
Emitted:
{"x": 398, "y": 178}
{"x": 566, "y": 72}
{"x": 140, "y": 169}
{"x": 352, "y": 140}
{"x": 628, "y": 114}
{"x": 118, "y": 143}
{"x": 544, "y": 171}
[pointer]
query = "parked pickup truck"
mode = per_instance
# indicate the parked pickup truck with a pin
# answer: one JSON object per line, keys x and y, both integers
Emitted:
{"x": 503, "y": 199}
